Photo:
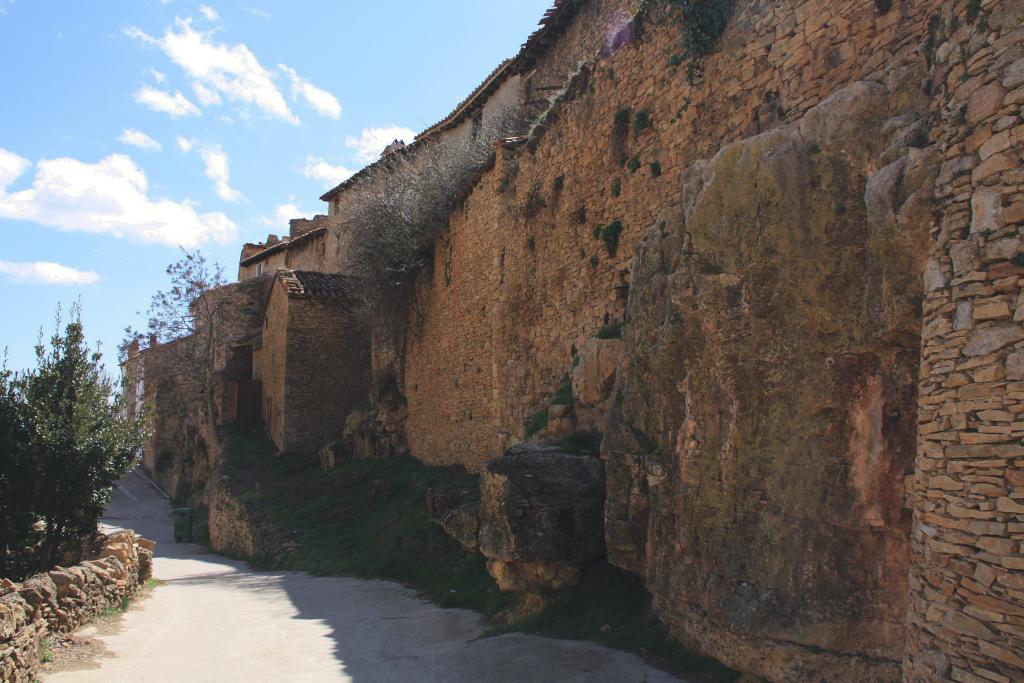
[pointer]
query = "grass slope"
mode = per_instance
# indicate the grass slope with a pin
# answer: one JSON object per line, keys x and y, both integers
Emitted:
{"x": 369, "y": 518}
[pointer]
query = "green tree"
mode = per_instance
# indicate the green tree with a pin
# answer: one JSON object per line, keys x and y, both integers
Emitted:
{"x": 17, "y": 480}
{"x": 81, "y": 441}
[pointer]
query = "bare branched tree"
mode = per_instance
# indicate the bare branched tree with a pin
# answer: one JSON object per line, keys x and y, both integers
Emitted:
{"x": 392, "y": 217}
{"x": 186, "y": 314}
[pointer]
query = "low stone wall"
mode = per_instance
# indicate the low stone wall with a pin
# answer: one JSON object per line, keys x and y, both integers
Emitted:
{"x": 63, "y": 599}
{"x": 236, "y": 530}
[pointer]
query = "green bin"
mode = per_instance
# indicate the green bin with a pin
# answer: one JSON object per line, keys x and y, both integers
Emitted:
{"x": 182, "y": 524}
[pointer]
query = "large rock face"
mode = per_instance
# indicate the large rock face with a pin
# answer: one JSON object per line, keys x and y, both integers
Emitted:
{"x": 764, "y": 417}
{"x": 541, "y": 514}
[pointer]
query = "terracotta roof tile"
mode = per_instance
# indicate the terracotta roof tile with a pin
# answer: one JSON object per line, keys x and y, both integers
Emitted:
{"x": 316, "y": 284}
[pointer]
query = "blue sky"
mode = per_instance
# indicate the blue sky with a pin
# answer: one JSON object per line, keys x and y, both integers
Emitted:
{"x": 128, "y": 128}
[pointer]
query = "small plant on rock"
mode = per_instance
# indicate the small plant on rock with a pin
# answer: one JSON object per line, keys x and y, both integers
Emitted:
{"x": 617, "y": 187}
{"x": 641, "y": 121}
{"x": 634, "y": 163}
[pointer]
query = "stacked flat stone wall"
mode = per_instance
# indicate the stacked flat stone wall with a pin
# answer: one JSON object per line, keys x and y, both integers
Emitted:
{"x": 327, "y": 371}
{"x": 519, "y": 279}
{"x": 966, "y": 619}
{"x": 65, "y": 598}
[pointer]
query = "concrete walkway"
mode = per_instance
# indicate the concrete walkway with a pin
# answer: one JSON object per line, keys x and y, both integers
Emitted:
{"x": 213, "y": 619}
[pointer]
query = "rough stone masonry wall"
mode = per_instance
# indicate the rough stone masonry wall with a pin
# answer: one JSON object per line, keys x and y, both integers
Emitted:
{"x": 519, "y": 278}
{"x": 967, "y": 584}
{"x": 766, "y": 424}
{"x": 327, "y": 371}
{"x": 65, "y": 598}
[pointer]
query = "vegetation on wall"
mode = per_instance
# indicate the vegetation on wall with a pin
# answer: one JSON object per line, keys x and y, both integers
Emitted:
{"x": 391, "y": 218}
{"x": 702, "y": 22}
{"x": 609, "y": 234}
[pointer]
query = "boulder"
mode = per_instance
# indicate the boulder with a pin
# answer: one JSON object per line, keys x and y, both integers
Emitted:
{"x": 594, "y": 373}
{"x": 541, "y": 507}
{"x": 463, "y": 524}
{"x": 441, "y": 500}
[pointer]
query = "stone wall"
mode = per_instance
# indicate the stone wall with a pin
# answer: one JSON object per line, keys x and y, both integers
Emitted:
{"x": 236, "y": 531}
{"x": 65, "y": 598}
{"x": 315, "y": 368}
{"x": 967, "y": 581}
{"x": 519, "y": 279}
{"x": 763, "y": 431}
{"x": 327, "y": 371}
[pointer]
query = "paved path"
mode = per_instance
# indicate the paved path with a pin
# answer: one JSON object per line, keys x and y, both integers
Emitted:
{"x": 213, "y": 619}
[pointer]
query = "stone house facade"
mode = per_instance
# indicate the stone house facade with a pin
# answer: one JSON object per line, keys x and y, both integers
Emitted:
{"x": 313, "y": 359}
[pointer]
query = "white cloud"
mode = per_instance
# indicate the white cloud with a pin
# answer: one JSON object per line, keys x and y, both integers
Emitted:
{"x": 257, "y": 12}
{"x": 372, "y": 141}
{"x": 175, "y": 105}
{"x": 11, "y": 167}
{"x": 184, "y": 144}
{"x": 109, "y": 197}
{"x": 322, "y": 101}
{"x": 137, "y": 138}
{"x": 218, "y": 169}
{"x": 230, "y": 70}
{"x": 158, "y": 76}
{"x": 136, "y": 33}
{"x": 209, "y": 13}
{"x": 206, "y": 96}
{"x": 318, "y": 168}
{"x": 282, "y": 214}
{"x": 47, "y": 273}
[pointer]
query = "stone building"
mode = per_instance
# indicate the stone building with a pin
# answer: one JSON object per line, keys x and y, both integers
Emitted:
{"x": 302, "y": 248}
{"x": 313, "y": 359}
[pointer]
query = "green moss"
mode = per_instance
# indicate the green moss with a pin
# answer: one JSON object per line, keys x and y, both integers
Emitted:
{"x": 655, "y": 168}
{"x": 634, "y": 163}
{"x": 617, "y": 187}
{"x": 641, "y": 121}
{"x": 563, "y": 396}
{"x": 559, "y": 183}
{"x": 538, "y": 422}
{"x": 610, "y": 236}
{"x": 610, "y": 332}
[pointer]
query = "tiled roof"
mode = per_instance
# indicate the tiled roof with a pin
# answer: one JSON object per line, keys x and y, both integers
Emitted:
{"x": 551, "y": 26}
{"x": 282, "y": 245}
{"x": 316, "y": 284}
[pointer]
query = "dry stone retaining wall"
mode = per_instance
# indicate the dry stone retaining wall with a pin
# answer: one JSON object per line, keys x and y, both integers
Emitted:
{"x": 65, "y": 598}
{"x": 966, "y": 617}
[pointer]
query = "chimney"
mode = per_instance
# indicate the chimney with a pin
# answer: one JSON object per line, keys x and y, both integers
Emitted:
{"x": 248, "y": 249}
{"x": 153, "y": 341}
{"x": 272, "y": 240}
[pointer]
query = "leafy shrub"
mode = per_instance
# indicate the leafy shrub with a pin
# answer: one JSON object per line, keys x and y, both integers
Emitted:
{"x": 634, "y": 163}
{"x": 610, "y": 236}
{"x": 641, "y": 121}
{"x": 563, "y": 396}
{"x": 538, "y": 422}
{"x": 703, "y": 23}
